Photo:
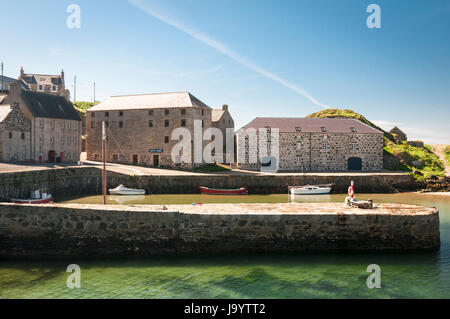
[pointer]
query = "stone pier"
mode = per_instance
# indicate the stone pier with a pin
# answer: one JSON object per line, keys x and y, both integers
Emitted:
{"x": 93, "y": 230}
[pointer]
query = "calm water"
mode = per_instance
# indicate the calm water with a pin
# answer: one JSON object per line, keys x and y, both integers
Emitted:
{"x": 311, "y": 275}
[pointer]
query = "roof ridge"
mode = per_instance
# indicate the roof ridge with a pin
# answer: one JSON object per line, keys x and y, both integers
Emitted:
{"x": 143, "y": 94}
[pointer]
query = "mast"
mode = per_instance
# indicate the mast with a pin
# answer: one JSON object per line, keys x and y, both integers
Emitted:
{"x": 104, "y": 162}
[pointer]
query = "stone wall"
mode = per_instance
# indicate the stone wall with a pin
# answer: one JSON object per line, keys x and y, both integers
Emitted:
{"x": 15, "y": 136}
{"x": 96, "y": 230}
{"x": 78, "y": 181}
{"x": 306, "y": 152}
{"x": 130, "y": 136}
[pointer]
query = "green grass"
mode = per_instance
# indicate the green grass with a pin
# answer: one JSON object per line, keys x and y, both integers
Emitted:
{"x": 447, "y": 154}
{"x": 210, "y": 168}
{"x": 338, "y": 113}
{"x": 406, "y": 154}
{"x": 81, "y": 108}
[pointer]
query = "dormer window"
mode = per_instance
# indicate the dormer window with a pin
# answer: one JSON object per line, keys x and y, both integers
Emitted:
{"x": 323, "y": 129}
{"x": 298, "y": 129}
{"x": 353, "y": 129}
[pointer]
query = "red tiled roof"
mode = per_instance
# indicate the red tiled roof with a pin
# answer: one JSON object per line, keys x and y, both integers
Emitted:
{"x": 312, "y": 125}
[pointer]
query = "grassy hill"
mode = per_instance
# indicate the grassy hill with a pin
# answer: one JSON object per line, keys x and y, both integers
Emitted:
{"x": 81, "y": 108}
{"x": 421, "y": 162}
{"x": 447, "y": 154}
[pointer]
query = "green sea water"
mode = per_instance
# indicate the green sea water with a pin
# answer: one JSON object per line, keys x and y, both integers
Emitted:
{"x": 301, "y": 275}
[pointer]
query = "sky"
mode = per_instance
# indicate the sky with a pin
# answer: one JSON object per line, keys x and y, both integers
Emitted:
{"x": 263, "y": 58}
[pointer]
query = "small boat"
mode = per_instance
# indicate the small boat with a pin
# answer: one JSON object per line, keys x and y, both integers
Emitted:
{"x": 37, "y": 197}
{"x": 364, "y": 204}
{"x": 122, "y": 190}
{"x": 310, "y": 190}
{"x": 215, "y": 191}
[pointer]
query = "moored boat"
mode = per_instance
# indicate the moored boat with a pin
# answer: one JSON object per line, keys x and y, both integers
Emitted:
{"x": 216, "y": 191}
{"x": 122, "y": 190}
{"x": 310, "y": 190}
{"x": 37, "y": 197}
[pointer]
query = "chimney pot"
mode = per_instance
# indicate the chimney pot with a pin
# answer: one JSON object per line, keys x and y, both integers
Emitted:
{"x": 225, "y": 107}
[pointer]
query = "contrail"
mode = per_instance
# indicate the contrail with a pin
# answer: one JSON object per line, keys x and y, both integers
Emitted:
{"x": 219, "y": 46}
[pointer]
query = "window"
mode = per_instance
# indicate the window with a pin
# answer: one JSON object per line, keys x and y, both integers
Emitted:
{"x": 203, "y": 123}
{"x": 40, "y": 87}
{"x": 63, "y": 125}
{"x": 166, "y": 112}
{"x": 62, "y": 139}
{"x": 203, "y": 112}
{"x": 298, "y": 129}
{"x": 150, "y": 123}
{"x": 92, "y": 124}
{"x": 120, "y": 113}
{"x": 74, "y": 140}
{"x": 323, "y": 129}
{"x": 52, "y": 140}
{"x": 353, "y": 146}
{"x": 41, "y": 139}
{"x": 92, "y": 114}
{"x": 324, "y": 146}
{"x": 166, "y": 139}
{"x": 150, "y": 112}
{"x": 54, "y": 88}
{"x": 106, "y": 114}
{"x": 299, "y": 146}
{"x": 75, "y": 126}
{"x": 183, "y": 122}
{"x": 41, "y": 123}
{"x": 10, "y": 134}
{"x": 69, "y": 140}
{"x": 183, "y": 112}
{"x": 267, "y": 128}
{"x": 115, "y": 157}
{"x": 22, "y": 136}
{"x": 68, "y": 126}
{"x": 120, "y": 124}
{"x": 166, "y": 123}
{"x": 353, "y": 129}
{"x": 106, "y": 124}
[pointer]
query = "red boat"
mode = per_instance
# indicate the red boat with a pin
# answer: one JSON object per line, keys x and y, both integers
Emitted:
{"x": 45, "y": 200}
{"x": 215, "y": 191}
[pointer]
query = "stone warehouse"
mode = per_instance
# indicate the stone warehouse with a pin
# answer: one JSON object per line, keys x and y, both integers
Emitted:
{"x": 310, "y": 144}
{"x": 139, "y": 128}
{"x": 38, "y": 127}
{"x": 222, "y": 120}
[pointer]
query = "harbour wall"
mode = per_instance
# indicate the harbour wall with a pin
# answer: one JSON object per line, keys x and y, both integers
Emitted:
{"x": 80, "y": 230}
{"x": 77, "y": 181}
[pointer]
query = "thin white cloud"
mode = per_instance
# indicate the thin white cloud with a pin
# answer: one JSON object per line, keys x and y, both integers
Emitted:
{"x": 222, "y": 48}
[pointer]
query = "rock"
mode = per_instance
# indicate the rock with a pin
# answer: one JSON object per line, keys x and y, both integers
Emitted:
{"x": 417, "y": 163}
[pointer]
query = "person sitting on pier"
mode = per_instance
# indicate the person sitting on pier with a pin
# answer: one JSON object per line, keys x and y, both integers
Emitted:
{"x": 351, "y": 194}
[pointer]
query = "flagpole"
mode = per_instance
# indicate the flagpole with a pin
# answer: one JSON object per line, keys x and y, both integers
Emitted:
{"x": 104, "y": 162}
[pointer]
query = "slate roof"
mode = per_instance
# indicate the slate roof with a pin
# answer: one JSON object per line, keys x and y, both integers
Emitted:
{"x": 217, "y": 114}
{"x": 312, "y": 125}
{"x": 49, "y": 106}
{"x": 149, "y": 101}
{"x": 7, "y": 80}
{"x": 42, "y": 79}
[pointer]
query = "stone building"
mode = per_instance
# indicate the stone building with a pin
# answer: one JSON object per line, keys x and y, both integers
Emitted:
{"x": 38, "y": 127}
{"x": 5, "y": 81}
{"x": 140, "y": 127}
{"x": 310, "y": 144}
{"x": 221, "y": 119}
{"x": 50, "y": 84}
{"x": 399, "y": 135}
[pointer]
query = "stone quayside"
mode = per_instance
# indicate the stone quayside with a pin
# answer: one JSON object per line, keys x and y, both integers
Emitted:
{"x": 92, "y": 230}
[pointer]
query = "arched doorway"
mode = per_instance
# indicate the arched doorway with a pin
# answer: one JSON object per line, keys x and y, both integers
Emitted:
{"x": 354, "y": 164}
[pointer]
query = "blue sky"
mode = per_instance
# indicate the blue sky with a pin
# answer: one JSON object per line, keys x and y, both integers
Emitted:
{"x": 262, "y": 58}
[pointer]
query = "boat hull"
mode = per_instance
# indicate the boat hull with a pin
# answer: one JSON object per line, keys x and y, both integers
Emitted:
{"x": 127, "y": 192}
{"x": 214, "y": 191}
{"x": 33, "y": 201}
{"x": 300, "y": 191}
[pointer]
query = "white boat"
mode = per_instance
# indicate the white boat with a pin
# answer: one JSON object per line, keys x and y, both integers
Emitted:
{"x": 122, "y": 190}
{"x": 310, "y": 190}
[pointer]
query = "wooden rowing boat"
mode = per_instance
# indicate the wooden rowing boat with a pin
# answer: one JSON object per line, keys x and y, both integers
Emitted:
{"x": 215, "y": 191}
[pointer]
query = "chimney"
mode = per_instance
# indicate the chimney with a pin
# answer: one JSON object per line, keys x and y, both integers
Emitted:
{"x": 21, "y": 71}
{"x": 62, "y": 74}
{"x": 225, "y": 107}
{"x": 14, "y": 87}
